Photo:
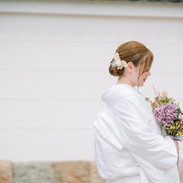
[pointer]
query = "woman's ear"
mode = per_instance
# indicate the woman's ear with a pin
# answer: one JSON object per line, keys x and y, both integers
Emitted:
{"x": 130, "y": 67}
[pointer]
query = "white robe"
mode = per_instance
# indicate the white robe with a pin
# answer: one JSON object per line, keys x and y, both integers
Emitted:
{"x": 129, "y": 147}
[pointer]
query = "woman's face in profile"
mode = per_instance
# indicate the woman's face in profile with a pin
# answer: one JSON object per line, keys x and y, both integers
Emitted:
{"x": 143, "y": 77}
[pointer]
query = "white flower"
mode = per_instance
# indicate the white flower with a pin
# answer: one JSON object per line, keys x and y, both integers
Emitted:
{"x": 117, "y": 62}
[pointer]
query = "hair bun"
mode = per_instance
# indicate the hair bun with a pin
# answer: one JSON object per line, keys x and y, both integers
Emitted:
{"x": 114, "y": 71}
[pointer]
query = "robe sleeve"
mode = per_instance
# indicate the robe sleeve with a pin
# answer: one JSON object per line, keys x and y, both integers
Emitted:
{"x": 104, "y": 129}
{"x": 138, "y": 137}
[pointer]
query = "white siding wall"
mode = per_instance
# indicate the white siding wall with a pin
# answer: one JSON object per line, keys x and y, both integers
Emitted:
{"x": 54, "y": 59}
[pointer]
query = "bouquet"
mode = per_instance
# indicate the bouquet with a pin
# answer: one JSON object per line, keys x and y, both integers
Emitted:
{"x": 168, "y": 115}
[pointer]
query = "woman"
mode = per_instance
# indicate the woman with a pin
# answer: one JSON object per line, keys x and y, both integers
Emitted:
{"x": 129, "y": 147}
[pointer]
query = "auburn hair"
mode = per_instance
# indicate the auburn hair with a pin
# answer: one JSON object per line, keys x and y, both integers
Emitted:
{"x": 134, "y": 52}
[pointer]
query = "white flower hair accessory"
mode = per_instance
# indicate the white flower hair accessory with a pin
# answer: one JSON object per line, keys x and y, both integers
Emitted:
{"x": 117, "y": 62}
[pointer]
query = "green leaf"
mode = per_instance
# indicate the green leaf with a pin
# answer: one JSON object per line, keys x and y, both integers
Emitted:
{"x": 178, "y": 112}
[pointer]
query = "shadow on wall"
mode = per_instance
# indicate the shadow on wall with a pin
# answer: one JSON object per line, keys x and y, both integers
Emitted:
{"x": 53, "y": 172}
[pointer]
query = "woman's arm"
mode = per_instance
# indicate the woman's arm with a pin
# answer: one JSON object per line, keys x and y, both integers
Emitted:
{"x": 177, "y": 145}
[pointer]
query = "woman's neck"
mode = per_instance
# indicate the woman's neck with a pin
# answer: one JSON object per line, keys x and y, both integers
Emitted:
{"x": 124, "y": 81}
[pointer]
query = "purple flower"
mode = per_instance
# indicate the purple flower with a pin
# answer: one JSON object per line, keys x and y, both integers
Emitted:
{"x": 181, "y": 118}
{"x": 166, "y": 114}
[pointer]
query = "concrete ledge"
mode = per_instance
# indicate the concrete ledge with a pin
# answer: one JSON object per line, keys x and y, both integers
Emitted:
{"x": 5, "y": 171}
{"x": 54, "y": 172}
{"x": 33, "y": 172}
{"x": 72, "y": 172}
{"x": 94, "y": 176}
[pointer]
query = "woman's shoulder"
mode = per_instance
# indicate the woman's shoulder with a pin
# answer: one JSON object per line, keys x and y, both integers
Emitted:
{"x": 133, "y": 99}
{"x": 117, "y": 92}
{"x": 129, "y": 100}
{"x": 131, "y": 95}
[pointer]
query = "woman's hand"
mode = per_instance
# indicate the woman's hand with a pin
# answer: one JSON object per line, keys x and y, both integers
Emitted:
{"x": 177, "y": 146}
